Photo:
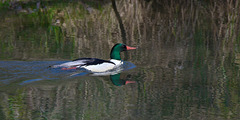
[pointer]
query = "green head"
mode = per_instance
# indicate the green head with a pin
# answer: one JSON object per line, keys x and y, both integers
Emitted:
{"x": 117, "y": 48}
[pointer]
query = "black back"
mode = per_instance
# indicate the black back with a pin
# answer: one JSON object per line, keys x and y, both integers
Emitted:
{"x": 93, "y": 61}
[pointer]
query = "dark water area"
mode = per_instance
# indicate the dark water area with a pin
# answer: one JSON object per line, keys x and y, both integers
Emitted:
{"x": 186, "y": 65}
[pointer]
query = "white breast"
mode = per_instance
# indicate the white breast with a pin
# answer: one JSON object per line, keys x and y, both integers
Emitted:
{"x": 117, "y": 62}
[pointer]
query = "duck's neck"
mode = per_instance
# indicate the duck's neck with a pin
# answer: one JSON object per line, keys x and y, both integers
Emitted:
{"x": 115, "y": 55}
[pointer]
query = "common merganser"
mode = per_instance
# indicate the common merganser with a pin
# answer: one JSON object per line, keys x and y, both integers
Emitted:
{"x": 95, "y": 64}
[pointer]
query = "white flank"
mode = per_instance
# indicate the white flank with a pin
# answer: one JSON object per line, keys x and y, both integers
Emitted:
{"x": 103, "y": 67}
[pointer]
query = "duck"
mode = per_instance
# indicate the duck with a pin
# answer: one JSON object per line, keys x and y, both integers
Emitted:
{"x": 95, "y": 64}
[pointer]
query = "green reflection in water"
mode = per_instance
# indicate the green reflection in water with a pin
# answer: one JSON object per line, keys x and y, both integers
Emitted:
{"x": 29, "y": 32}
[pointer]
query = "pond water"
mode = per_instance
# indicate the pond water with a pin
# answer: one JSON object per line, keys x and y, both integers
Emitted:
{"x": 186, "y": 65}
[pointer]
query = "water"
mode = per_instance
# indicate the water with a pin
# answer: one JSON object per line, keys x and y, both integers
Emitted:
{"x": 186, "y": 65}
{"x": 32, "y": 71}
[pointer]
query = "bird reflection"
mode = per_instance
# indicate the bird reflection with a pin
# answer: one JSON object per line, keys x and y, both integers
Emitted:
{"x": 119, "y": 82}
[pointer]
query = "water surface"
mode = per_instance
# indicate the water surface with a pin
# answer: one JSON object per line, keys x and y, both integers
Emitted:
{"x": 186, "y": 65}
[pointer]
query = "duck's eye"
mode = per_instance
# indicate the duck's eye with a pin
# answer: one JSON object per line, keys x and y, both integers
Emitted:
{"x": 124, "y": 46}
